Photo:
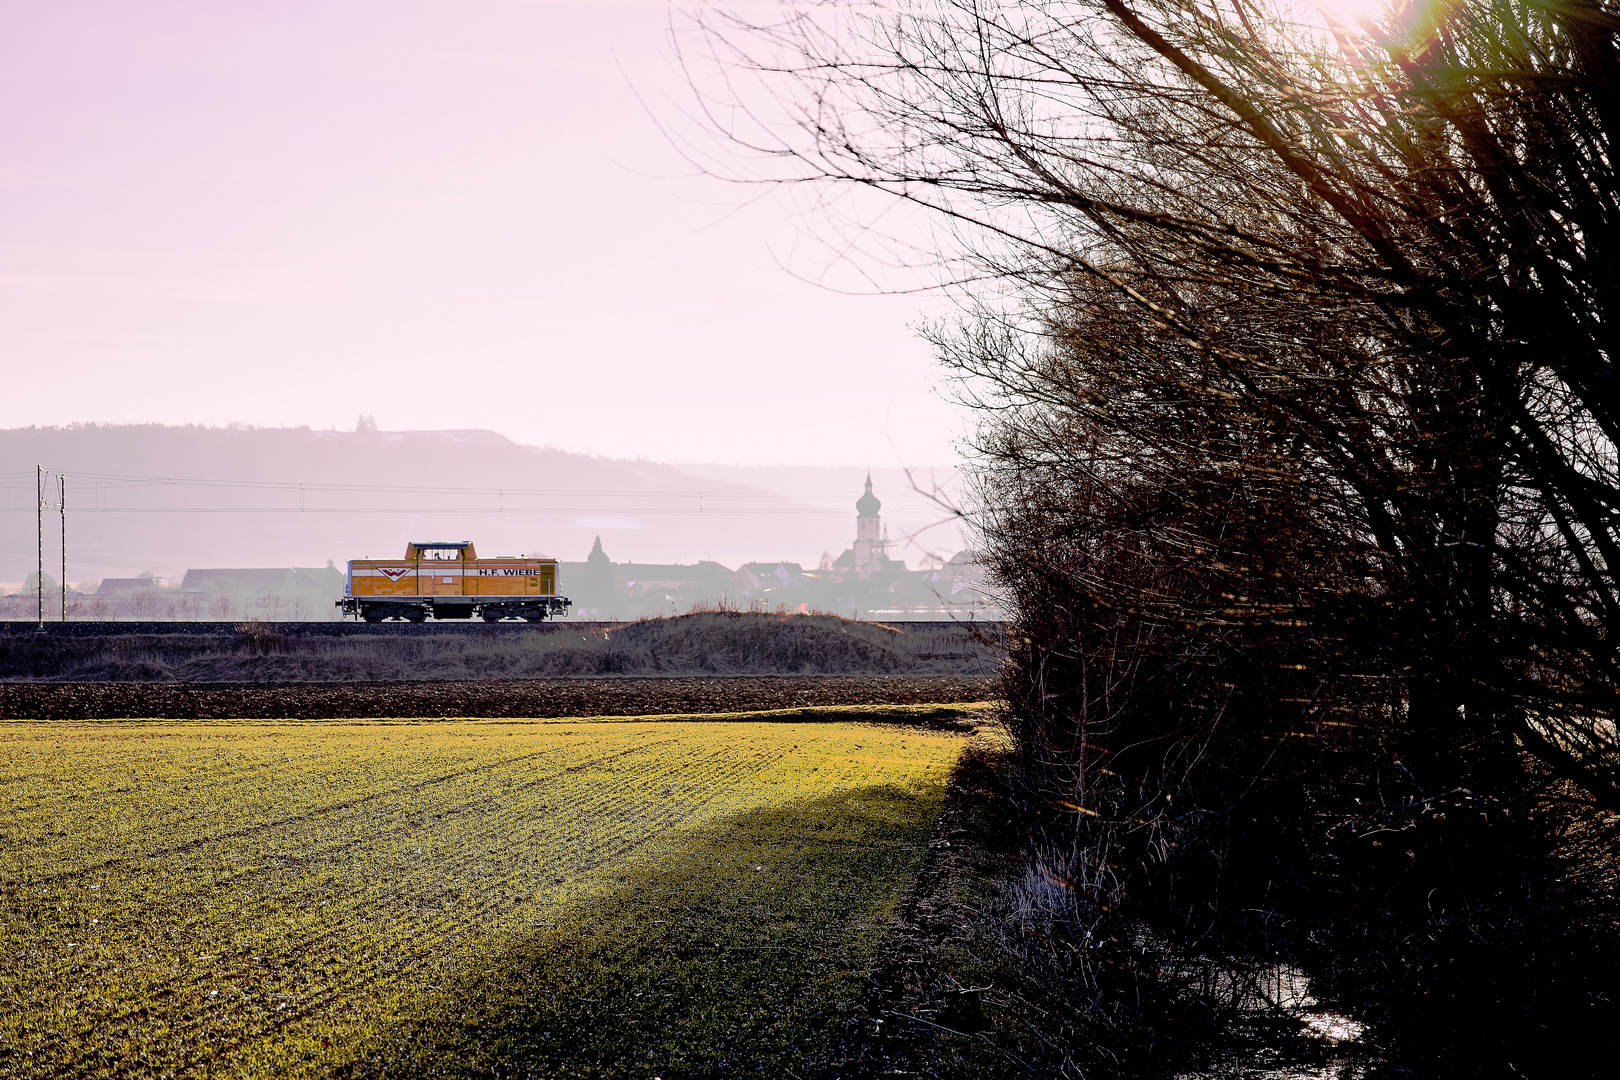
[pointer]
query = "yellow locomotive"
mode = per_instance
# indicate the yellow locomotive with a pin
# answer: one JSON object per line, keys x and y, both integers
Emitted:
{"x": 447, "y": 580}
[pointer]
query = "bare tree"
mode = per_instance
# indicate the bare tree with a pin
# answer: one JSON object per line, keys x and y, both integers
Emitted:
{"x": 1290, "y": 334}
{"x": 1378, "y": 250}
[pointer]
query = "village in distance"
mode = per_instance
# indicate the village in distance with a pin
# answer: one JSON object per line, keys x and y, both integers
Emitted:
{"x": 864, "y": 582}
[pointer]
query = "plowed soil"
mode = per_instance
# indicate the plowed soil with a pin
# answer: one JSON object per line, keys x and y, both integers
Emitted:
{"x": 494, "y": 698}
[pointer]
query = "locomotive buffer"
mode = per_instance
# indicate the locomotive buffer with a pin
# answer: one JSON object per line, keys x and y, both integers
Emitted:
{"x": 447, "y": 580}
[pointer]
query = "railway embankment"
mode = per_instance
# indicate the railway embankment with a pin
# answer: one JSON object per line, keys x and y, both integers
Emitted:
{"x": 702, "y": 644}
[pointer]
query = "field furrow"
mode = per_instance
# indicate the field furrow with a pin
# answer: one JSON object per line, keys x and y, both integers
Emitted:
{"x": 320, "y": 899}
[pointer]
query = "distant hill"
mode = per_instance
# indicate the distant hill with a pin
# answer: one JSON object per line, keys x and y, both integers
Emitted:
{"x": 167, "y": 499}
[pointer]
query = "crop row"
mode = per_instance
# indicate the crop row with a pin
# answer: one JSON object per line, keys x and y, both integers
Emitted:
{"x": 189, "y": 898}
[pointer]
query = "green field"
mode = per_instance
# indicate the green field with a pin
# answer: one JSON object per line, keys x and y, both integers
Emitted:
{"x": 562, "y": 898}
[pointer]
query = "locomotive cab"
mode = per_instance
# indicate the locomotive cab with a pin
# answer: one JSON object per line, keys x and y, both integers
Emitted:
{"x": 445, "y": 579}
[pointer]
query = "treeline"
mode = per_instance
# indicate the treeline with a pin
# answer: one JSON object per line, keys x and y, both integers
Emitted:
{"x": 1297, "y": 464}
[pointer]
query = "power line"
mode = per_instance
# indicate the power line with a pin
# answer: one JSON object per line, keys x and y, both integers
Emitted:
{"x": 438, "y": 510}
{"x": 126, "y": 480}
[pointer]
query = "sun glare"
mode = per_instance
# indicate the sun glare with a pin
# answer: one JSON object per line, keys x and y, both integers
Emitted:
{"x": 1353, "y": 12}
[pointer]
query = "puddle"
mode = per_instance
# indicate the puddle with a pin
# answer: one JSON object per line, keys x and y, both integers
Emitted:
{"x": 1287, "y": 989}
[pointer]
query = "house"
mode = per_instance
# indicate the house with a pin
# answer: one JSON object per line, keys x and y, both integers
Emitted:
{"x": 603, "y": 589}
{"x": 864, "y": 581}
{"x": 274, "y": 593}
{"x": 125, "y": 588}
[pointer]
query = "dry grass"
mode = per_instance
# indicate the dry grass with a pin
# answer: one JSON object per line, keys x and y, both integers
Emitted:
{"x": 569, "y": 897}
{"x": 713, "y": 643}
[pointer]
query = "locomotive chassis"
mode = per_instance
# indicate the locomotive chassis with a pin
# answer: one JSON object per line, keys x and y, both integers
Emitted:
{"x": 489, "y": 608}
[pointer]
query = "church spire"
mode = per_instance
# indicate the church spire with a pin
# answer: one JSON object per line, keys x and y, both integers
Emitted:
{"x": 868, "y": 549}
{"x": 867, "y": 506}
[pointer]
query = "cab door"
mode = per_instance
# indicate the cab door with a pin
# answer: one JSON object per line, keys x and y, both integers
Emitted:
{"x": 441, "y": 573}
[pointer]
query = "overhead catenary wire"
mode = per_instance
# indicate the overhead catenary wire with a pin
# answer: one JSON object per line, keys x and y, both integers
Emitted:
{"x": 104, "y": 489}
{"x": 438, "y": 510}
{"x": 164, "y": 499}
{"x": 123, "y": 480}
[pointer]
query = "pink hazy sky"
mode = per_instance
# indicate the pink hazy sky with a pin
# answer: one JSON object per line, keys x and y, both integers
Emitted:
{"x": 451, "y": 215}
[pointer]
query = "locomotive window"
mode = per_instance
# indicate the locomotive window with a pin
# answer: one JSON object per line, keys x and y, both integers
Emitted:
{"x": 440, "y": 553}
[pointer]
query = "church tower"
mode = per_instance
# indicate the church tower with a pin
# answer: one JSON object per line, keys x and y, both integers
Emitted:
{"x": 595, "y": 588}
{"x": 869, "y": 542}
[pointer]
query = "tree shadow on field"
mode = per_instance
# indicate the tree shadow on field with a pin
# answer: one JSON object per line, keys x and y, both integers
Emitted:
{"x": 732, "y": 950}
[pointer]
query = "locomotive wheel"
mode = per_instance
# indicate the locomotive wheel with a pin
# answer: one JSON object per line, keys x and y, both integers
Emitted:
{"x": 416, "y": 616}
{"x": 491, "y": 616}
